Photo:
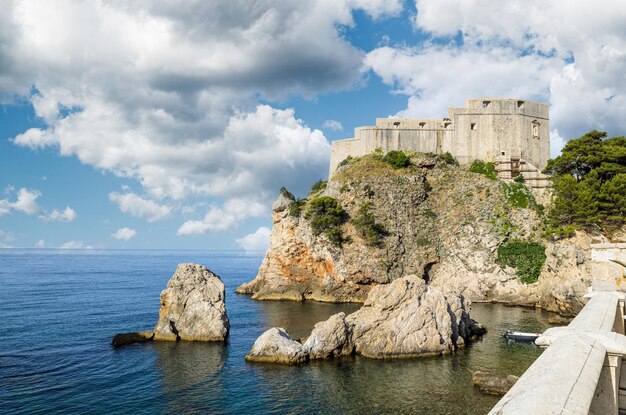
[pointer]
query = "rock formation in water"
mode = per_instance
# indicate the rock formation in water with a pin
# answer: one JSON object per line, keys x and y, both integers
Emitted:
{"x": 123, "y": 339}
{"x": 493, "y": 384}
{"x": 275, "y": 346}
{"x": 192, "y": 306}
{"x": 402, "y": 319}
{"x": 439, "y": 221}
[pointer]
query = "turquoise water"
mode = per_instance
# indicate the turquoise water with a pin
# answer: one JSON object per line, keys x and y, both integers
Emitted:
{"x": 61, "y": 308}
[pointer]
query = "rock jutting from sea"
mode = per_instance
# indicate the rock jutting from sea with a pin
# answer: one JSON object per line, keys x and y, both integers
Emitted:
{"x": 192, "y": 308}
{"x": 432, "y": 219}
{"x": 403, "y": 319}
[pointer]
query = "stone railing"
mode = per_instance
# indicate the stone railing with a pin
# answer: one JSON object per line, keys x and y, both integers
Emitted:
{"x": 580, "y": 371}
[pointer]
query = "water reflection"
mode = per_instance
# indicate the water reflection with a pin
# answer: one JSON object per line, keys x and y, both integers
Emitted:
{"x": 298, "y": 318}
{"x": 191, "y": 374}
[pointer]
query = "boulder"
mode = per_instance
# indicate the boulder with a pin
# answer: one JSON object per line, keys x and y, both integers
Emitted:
{"x": 493, "y": 384}
{"x": 123, "y": 339}
{"x": 192, "y": 306}
{"x": 405, "y": 318}
{"x": 330, "y": 338}
{"x": 276, "y": 346}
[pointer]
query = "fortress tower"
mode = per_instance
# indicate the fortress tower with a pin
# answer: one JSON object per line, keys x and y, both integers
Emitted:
{"x": 514, "y": 134}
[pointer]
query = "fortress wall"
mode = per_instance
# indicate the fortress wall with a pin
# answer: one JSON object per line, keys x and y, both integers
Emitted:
{"x": 485, "y": 129}
{"x": 341, "y": 149}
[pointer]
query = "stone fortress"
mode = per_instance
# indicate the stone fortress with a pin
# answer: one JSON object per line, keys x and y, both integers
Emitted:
{"x": 514, "y": 134}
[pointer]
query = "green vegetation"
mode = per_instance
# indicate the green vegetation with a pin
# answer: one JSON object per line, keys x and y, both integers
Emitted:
{"x": 518, "y": 195}
{"x": 287, "y": 193}
{"x": 589, "y": 184}
{"x": 366, "y": 226}
{"x": 422, "y": 241}
{"x": 295, "y": 207}
{"x": 486, "y": 169}
{"x": 346, "y": 161}
{"x": 526, "y": 257}
{"x": 326, "y": 216}
{"x": 397, "y": 159}
{"x": 430, "y": 214}
{"x": 448, "y": 158}
{"x": 318, "y": 186}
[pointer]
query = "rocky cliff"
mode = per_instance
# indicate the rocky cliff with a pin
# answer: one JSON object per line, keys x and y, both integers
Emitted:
{"x": 431, "y": 218}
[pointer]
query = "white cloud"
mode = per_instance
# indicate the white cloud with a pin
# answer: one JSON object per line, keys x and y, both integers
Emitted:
{"x": 224, "y": 218}
{"x": 257, "y": 241}
{"x": 528, "y": 49}
{"x": 40, "y": 244}
{"x": 161, "y": 122}
{"x": 112, "y": 90}
{"x": 140, "y": 207}
{"x": 67, "y": 215}
{"x": 333, "y": 125}
{"x": 26, "y": 202}
{"x": 124, "y": 234}
{"x": 75, "y": 245}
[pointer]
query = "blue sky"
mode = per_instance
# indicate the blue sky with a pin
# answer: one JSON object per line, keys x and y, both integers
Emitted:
{"x": 165, "y": 125}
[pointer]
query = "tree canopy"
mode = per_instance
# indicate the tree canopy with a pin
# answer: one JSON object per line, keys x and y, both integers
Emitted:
{"x": 589, "y": 180}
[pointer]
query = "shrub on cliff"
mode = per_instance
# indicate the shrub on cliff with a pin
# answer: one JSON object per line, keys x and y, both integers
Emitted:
{"x": 295, "y": 207}
{"x": 487, "y": 169}
{"x": 365, "y": 224}
{"x": 518, "y": 195}
{"x": 526, "y": 257}
{"x": 397, "y": 159}
{"x": 589, "y": 184}
{"x": 318, "y": 186}
{"x": 327, "y": 216}
{"x": 448, "y": 158}
{"x": 286, "y": 193}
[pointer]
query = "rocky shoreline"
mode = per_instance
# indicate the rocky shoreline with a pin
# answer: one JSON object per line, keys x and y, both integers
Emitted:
{"x": 403, "y": 319}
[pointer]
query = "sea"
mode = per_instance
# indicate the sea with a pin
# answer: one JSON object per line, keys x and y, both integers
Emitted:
{"x": 60, "y": 309}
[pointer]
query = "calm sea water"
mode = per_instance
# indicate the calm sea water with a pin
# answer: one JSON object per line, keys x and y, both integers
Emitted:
{"x": 60, "y": 309}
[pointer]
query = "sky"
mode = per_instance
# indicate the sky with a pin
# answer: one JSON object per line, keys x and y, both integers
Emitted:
{"x": 173, "y": 124}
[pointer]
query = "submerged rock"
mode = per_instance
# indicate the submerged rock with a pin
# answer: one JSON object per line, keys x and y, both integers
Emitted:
{"x": 192, "y": 306}
{"x": 560, "y": 320}
{"x": 123, "y": 339}
{"x": 276, "y": 346}
{"x": 405, "y": 318}
{"x": 493, "y": 384}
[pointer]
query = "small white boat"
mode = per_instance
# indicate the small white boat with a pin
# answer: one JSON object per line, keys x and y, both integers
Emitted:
{"x": 521, "y": 336}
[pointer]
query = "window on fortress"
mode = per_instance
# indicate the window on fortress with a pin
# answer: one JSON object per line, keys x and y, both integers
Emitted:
{"x": 486, "y": 104}
{"x": 473, "y": 126}
{"x": 422, "y": 124}
{"x": 396, "y": 124}
{"x": 520, "y": 104}
{"x": 535, "y": 129}
{"x": 447, "y": 124}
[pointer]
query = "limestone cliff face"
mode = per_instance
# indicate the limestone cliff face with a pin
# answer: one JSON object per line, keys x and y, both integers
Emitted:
{"x": 442, "y": 223}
